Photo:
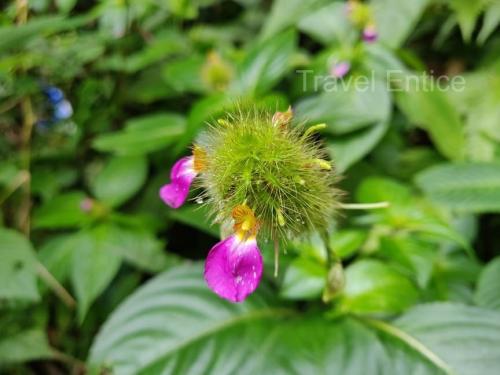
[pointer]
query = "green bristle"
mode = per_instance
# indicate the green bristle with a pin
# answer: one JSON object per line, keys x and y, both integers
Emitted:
{"x": 278, "y": 171}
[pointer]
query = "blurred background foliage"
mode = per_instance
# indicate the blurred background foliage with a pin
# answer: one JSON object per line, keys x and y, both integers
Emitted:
{"x": 97, "y": 275}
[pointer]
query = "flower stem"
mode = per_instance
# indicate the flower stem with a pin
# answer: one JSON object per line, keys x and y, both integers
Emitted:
{"x": 364, "y": 206}
{"x": 276, "y": 257}
{"x": 55, "y": 286}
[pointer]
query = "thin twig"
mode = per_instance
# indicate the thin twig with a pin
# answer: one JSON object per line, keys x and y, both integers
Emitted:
{"x": 364, "y": 206}
{"x": 17, "y": 181}
{"x": 276, "y": 257}
{"x": 55, "y": 286}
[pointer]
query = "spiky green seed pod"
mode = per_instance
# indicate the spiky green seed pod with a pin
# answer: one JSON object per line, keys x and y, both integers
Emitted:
{"x": 257, "y": 158}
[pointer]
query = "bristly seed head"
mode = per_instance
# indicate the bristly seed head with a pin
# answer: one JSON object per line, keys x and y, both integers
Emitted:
{"x": 279, "y": 172}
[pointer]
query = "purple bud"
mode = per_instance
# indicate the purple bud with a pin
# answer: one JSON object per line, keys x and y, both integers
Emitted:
{"x": 370, "y": 33}
{"x": 86, "y": 205}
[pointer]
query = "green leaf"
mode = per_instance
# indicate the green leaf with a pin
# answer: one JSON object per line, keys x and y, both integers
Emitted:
{"x": 328, "y": 24}
{"x": 138, "y": 247}
{"x": 490, "y": 22}
{"x": 17, "y": 267}
{"x": 304, "y": 278}
{"x": 378, "y": 189}
{"x": 396, "y": 19}
{"x": 433, "y": 111}
{"x": 265, "y": 64}
{"x": 174, "y": 324}
{"x": 471, "y": 187}
{"x": 120, "y": 179}
{"x": 57, "y": 256}
{"x": 346, "y": 109}
{"x": 373, "y": 287}
{"x": 16, "y": 37}
{"x": 94, "y": 265}
{"x": 488, "y": 292}
{"x": 467, "y": 339}
{"x": 65, "y": 6}
{"x": 184, "y": 74}
{"x": 24, "y": 346}
{"x": 63, "y": 211}
{"x": 143, "y": 135}
{"x": 467, "y": 13}
{"x": 285, "y": 13}
{"x": 417, "y": 257}
{"x": 350, "y": 148}
{"x": 347, "y": 241}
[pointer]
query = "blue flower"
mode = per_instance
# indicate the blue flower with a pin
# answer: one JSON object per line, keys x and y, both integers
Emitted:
{"x": 54, "y": 94}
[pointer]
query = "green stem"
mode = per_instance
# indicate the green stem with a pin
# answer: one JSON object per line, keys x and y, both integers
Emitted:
{"x": 410, "y": 341}
{"x": 55, "y": 286}
{"x": 364, "y": 206}
{"x": 20, "y": 179}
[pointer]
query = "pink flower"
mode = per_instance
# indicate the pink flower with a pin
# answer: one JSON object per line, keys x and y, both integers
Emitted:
{"x": 234, "y": 267}
{"x": 370, "y": 33}
{"x": 182, "y": 175}
{"x": 340, "y": 69}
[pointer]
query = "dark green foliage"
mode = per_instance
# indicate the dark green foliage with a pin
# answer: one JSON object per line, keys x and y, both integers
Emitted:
{"x": 98, "y": 276}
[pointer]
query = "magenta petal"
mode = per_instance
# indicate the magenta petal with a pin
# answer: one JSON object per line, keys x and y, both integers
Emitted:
{"x": 233, "y": 268}
{"x": 182, "y": 175}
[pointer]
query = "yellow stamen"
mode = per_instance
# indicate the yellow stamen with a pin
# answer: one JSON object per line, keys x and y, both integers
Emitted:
{"x": 245, "y": 222}
{"x": 323, "y": 164}
{"x": 200, "y": 158}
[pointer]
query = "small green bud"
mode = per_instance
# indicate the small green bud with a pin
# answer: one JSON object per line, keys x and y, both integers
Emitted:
{"x": 335, "y": 282}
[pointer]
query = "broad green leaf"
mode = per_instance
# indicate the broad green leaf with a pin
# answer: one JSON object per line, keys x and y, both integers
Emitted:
{"x": 327, "y": 24}
{"x": 285, "y": 13}
{"x": 17, "y": 267}
{"x": 62, "y": 211}
{"x": 378, "y": 189}
{"x": 471, "y": 187}
{"x": 347, "y": 149}
{"x": 429, "y": 108}
{"x": 373, "y": 287}
{"x": 184, "y": 74}
{"x": 417, "y": 257}
{"x": 174, "y": 324}
{"x": 488, "y": 286}
{"x": 396, "y": 19}
{"x": 344, "y": 108}
{"x": 24, "y": 346}
{"x": 466, "y": 339}
{"x": 346, "y": 242}
{"x": 94, "y": 265}
{"x": 138, "y": 247}
{"x": 175, "y": 318}
{"x": 304, "y": 278}
{"x": 264, "y": 65}
{"x": 16, "y": 37}
{"x": 57, "y": 256}
{"x": 143, "y": 135}
{"x": 120, "y": 179}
